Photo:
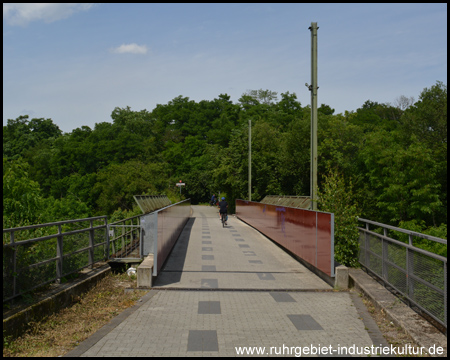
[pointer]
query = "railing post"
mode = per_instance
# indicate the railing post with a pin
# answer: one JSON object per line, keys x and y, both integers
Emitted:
{"x": 107, "y": 239}
{"x": 141, "y": 239}
{"x": 409, "y": 272}
{"x": 59, "y": 255}
{"x": 91, "y": 244}
{"x": 124, "y": 243}
{"x": 366, "y": 239}
{"x": 445, "y": 296}
{"x": 14, "y": 256}
{"x": 384, "y": 257}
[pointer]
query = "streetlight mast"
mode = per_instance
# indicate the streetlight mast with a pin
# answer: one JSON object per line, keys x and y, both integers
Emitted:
{"x": 313, "y": 88}
{"x": 249, "y": 160}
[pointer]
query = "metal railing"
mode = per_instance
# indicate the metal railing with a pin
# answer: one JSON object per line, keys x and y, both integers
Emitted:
{"x": 37, "y": 255}
{"x": 418, "y": 275}
{"x": 149, "y": 203}
{"x": 299, "y": 202}
{"x": 125, "y": 238}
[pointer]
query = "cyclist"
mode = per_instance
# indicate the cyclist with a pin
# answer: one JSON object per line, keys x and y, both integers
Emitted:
{"x": 223, "y": 206}
{"x": 213, "y": 200}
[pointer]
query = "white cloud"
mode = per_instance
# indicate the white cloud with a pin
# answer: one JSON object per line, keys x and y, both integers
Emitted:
{"x": 22, "y": 14}
{"x": 130, "y": 48}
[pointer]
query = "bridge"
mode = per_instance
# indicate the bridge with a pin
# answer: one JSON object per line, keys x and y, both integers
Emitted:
{"x": 229, "y": 291}
{"x": 223, "y": 288}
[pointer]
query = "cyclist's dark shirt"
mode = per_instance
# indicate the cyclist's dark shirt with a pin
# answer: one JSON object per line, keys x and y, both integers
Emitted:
{"x": 223, "y": 206}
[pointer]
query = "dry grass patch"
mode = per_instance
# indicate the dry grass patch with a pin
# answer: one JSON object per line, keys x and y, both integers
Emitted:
{"x": 62, "y": 332}
{"x": 393, "y": 334}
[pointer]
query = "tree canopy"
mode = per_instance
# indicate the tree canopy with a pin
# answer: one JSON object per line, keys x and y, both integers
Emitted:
{"x": 394, "y": 157}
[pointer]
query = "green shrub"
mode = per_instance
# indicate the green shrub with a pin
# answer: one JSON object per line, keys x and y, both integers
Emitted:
{"x": 336, "y": 197}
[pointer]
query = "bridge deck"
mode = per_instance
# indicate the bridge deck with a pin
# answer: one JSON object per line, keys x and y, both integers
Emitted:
{"x": 223, "y": 288}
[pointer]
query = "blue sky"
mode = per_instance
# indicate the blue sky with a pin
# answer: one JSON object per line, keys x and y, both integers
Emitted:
{"x": 74, "y": 63}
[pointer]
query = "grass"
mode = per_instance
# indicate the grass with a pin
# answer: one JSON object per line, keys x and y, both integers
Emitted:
{"x": 59, "y": 333}
{"x": 393, "y": 334}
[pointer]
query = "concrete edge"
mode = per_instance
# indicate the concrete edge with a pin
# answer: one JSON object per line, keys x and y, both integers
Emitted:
{"x": 371, "y": 326}
{"x": 145, "y": 272}
{"x": 107, "y": 328}
{"x": 420, "y": 330}
{"x": 16, "y": 324}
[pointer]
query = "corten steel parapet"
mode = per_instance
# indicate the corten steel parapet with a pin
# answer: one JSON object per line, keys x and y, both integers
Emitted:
{"x": 307, "y": 234}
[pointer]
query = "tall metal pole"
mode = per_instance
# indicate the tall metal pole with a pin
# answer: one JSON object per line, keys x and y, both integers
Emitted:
{"x": 313, "y": 88}
{"x": 249, "y": 160}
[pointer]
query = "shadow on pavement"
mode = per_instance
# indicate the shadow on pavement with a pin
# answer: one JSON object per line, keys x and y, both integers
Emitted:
{"x": 173, "y": 267}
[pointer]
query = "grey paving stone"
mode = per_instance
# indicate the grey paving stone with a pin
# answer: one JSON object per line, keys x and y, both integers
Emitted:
{"x": 209, "y": 283}
{"x": 208, "y": 268}
{"x": 209, "y": 307}
{"x": 304, "y": 322}
{"x": 265, "y": 276}
{"x": 282, "y": 297}
{"x": 202, "y": 340}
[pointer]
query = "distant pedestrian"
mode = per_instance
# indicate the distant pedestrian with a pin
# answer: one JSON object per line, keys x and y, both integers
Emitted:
{"x": 213, "y": 200}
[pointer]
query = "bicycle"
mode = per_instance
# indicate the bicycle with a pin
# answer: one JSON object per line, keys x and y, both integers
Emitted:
{"x": 224, "y": 219}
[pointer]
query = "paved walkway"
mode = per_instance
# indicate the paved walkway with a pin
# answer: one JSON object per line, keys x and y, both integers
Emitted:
{"x": 231, "y": 287}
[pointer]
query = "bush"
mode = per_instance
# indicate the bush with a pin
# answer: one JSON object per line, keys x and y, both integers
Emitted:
{"x": 336, "y": 197}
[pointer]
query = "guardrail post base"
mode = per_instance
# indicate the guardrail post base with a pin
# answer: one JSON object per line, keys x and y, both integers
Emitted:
{"x": 341, "y": 279}
{"x": 145, "y": 272}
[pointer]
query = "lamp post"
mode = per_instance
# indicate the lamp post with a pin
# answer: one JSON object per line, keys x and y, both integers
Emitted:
{"x": 313, "y": 88}
{"x": 249, "y": 160}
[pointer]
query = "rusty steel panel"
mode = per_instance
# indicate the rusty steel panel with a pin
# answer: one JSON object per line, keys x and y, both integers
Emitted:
{"x": 171, "y": 221}
{"x": 325, "y": 240}
{"x": 306, "y": 233}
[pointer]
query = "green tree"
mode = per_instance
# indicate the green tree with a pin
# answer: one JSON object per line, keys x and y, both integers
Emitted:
{"x": 266, "y": 170}
{"x": 373, "y": 116}
{"x": 426, "y": 122}
{"x": 266, "y": 97}
{"x": 335, "y": 196}
{"x": 20, "y": 134}
{"x": 403, "y": 178}
{"x": 295, "y": 158}
{"x": 117, "y": 183}
{"x": 339, "y": 143}
{"x": 23, "y": 203}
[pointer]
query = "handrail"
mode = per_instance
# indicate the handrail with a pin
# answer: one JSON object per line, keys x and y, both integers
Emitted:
{"x": 419, "y": 275}
{"x": 409, "y": 232}
{"x": 29, "y": 227}
{"x": 27, "y": 265}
